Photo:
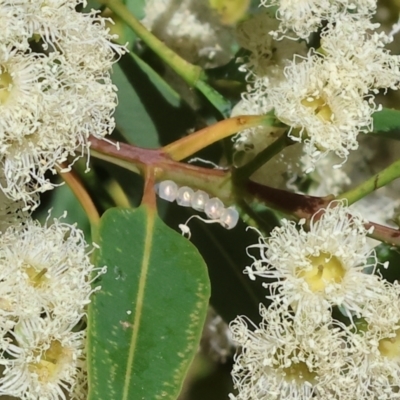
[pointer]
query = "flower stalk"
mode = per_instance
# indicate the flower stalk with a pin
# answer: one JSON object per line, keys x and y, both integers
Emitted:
{"x": 189, "y": 145}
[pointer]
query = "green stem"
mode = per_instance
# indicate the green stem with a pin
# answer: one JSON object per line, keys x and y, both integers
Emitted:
{"x": 254, "y": 219}
{"x": 375, "y": 182}
{"x": 114, "y": 160}
{"x": 214, "y": 97}
{"x": 263, "y": 157}
{"x": 117, "y": 194}
{"x": 193, "y": 75}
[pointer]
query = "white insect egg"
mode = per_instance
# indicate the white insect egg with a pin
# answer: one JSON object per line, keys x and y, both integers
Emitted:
{"x": 229, "y": 218}
{"x": 213, "y": 208}
{"x": 184, "y": 196}
{"x": 199, "y": 200}
{"x": 167, "y": 190}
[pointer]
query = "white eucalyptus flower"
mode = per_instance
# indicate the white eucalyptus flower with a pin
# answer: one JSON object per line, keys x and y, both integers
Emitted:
{"x": 43, "y": 361}
{"x": 264, "y": 68}
{"x": 191, "y": 28}
{"x": 287, "y": 357}
{"x": 359, "y": 51}
{"x": 323, "y": 107}
{"x": 83, "y": 39}
{"x": 55, "y": 90}
{"x": 80, "y": 388}
{"x": 44, "y": 270}
{"x": 375, "y": 371}
{"x": 265, "y": 65}
{"x": 322, "y": 265}
{"x": 13, "y": 26}
{"x": 267, "y": 55}
{"x": 306, "y": 16}
{"x": 14, "y": 212}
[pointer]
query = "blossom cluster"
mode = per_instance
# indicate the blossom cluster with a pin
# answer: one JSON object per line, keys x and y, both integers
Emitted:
{"x": 190, "y": 28}
{"x": 45, "y": 285}
{"x": 332, "y": 330}
{"x": 55, "y": 89}
{"x": 325, "y": 95}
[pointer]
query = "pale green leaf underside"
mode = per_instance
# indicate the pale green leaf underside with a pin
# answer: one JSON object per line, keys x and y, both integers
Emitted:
{"x": 145, "y": 323}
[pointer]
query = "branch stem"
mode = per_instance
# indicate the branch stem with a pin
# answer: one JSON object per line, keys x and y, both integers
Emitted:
{"x": 214, "y": 181}
{"x": 80, "y": 192}
{"x": 193, "y": 75}
{"x": 158, "y": 165}
{"x": 377, "y": 181}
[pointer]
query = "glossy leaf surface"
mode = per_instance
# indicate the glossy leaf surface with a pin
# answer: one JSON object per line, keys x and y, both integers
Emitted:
{"x": 145, "y": 322}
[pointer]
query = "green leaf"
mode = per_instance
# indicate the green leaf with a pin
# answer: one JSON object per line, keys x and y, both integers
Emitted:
{"x": 387, "y": 123}
{"x": 224, "y": 251}
{"x": 145, "y": 322}
{"x": 149, "y": 112}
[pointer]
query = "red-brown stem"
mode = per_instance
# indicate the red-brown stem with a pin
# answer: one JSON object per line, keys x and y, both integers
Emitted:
{"x": 149, "y": 196}
{"x": 214, "y": 181}
{"x": 385, "y": 234}
{"x": 79, "y": 190}
{"x": 142, "y": 157}
{"x": 218, "y": 183}
{"x": 298, "y": 205}
{"x": 303, "y": 206}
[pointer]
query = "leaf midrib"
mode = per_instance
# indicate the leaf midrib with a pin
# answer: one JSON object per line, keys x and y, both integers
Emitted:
{"x": 139, "y": 302}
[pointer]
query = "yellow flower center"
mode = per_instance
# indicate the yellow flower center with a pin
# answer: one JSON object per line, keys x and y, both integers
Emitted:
{"x": 6, "y": 82}
{"x": 325, "y": 269}
{"x": 321, "y": 109}
{"x": 230, "y": 11}
{"x": 390, "y": 347}
{"x": 299, "y": 372}
{"x": 48, "y": 365}
{"x": 36, "y": 278}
